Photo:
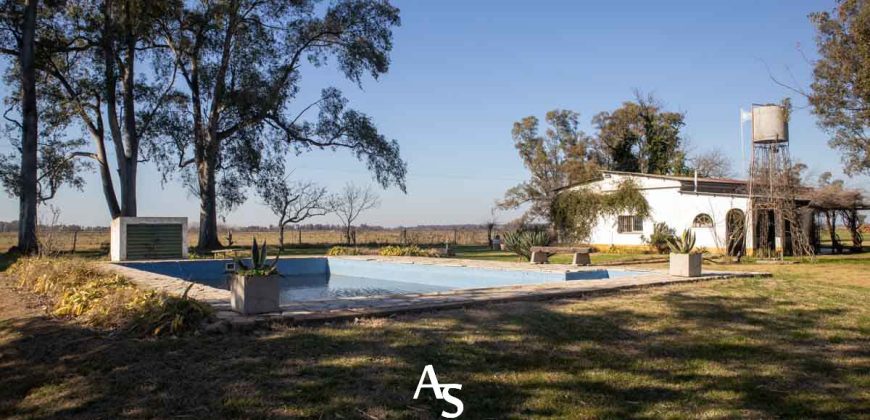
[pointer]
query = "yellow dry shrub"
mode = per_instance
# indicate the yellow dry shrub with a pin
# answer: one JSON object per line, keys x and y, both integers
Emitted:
{"x": 342, "y": 250}
{"x": 78, "y": 289}
{"x": 405, "y": 251}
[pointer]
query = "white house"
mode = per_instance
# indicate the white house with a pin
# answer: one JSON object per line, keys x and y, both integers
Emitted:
{"x": 712, "y": 207}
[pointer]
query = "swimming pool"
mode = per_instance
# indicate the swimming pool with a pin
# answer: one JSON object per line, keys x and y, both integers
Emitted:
{"x": 319, "y": 278}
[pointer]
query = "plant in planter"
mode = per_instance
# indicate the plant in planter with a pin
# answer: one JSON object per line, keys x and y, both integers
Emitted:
{"x": 255, "y": 287}
{"x": 684, "y": 262}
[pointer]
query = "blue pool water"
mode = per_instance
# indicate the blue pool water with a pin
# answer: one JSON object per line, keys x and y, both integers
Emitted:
{"x": 329, "y": 278}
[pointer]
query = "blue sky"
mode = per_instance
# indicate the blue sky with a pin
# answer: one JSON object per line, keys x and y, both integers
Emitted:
{"x": 463, "y": 71}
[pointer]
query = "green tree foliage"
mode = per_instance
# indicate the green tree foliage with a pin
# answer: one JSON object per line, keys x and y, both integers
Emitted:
{"x": 575, "y": 212}
{"x": 241, "y": 62}
{"x": 840, "y": 94}
{"x": 32, "y": 35}
{"x": 56, "y": 166}
{"x": 562, "y": 155}
{"x": 97, "y": 83}
{"x": 642, "y": 137}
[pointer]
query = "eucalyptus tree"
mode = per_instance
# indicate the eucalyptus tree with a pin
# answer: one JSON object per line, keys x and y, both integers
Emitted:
{"x": 26, "y": 49}
{"x": 840, "y": 94}
{"x": 27, "y": 38}
{"x": 241, "y": 62}
{"x": 101, "y": 85}
{"x": 641, "y": 136}
{"x": 562, "y": 155}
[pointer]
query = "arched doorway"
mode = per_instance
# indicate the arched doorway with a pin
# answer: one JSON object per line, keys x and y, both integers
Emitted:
{"x": 735, "y": 231}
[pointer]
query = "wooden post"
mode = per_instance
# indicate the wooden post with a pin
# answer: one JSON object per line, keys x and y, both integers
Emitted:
{"x": 455, "y": 236}
{"x": 75, "y": 238}
{"x": 299, "y": 229}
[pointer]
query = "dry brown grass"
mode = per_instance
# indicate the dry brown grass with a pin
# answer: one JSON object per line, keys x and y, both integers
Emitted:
{"x": 92, "y": 241}
{"x": 76, "y": 289}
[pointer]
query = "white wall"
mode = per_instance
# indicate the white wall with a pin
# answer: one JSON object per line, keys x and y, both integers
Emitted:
{"x": 675, "y": 208}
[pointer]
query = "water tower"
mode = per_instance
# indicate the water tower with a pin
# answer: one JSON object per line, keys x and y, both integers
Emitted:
{"x": 776, "y": 224}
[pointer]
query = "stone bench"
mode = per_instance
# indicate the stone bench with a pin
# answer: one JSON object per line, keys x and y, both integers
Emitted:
{"x": 541, "y": 254}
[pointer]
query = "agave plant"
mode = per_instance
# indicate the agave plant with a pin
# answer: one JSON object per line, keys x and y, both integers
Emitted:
{"x": 259, "y": 266}
{"x": 682, "y": 244}
{"x": 521, "y": 242}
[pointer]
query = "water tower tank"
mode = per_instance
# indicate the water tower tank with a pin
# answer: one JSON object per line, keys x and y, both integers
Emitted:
{"x": 769, "y": 124}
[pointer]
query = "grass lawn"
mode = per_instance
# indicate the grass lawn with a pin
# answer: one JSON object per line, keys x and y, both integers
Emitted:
{"x": 484, "y": 253}
{"x": 796, "y": 345}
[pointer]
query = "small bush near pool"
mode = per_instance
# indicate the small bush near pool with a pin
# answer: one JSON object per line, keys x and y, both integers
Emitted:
{"x": 406, "y": 251}
{"x": 80, "y": 290}
{"x": 343, "y": 250}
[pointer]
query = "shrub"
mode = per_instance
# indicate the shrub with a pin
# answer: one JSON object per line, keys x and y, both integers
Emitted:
{"x": 162, "y": 314}
{"x": 342, "y": 250}
{"x": 405, "y": 251}
{"x": 79, "y": 290}
{"x": 522, "y": 241}
{"x": 658, "y": 241}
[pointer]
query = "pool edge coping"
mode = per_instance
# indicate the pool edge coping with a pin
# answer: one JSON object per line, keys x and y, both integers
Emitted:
{"x": 414, "y": 303}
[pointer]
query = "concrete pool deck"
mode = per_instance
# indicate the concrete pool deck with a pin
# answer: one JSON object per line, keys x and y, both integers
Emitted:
{"x": 368, "y": 306}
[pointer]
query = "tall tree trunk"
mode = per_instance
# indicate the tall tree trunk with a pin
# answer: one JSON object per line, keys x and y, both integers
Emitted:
{"x": 208, "y": 233}
{"x": 128, "y": 188}
{"x": 125, "y": 140}
{"x": 106, "y": 179}
{"x": 281, "y": 236}
{"x": 27, "y": 242}
{"x": 851, "y": 218}
{"x": 831, "y": 219}
{"x": 131, "y": 138}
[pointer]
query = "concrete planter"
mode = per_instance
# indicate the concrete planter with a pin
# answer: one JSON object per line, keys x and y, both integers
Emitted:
{"x": 254, "y": 294}
{"x": 685, "y": 265}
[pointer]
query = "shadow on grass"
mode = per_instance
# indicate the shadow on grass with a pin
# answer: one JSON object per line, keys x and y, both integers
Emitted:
{"x": 736, "y": 356}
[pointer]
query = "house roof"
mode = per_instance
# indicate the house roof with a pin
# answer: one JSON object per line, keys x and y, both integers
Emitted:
{"x": 726, "y": 182}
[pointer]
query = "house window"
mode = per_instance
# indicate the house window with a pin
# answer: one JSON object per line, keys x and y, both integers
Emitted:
{"x": 702, "y": 220}
{"x": 629, "y": 224}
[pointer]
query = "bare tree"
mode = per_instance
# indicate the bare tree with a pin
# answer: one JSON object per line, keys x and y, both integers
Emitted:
{"x": 293, "y": 202}
{"x": 712, "y": 163}
{"x": 350, "y": 203}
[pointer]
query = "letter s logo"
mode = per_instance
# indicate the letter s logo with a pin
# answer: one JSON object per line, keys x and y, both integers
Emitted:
{"x": 452, "y": 400}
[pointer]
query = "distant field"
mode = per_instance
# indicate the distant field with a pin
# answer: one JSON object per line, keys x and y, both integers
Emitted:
{"x": 92, "y": 241}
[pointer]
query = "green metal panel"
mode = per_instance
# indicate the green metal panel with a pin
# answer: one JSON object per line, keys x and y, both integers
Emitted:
{"x": 154, "y": 241}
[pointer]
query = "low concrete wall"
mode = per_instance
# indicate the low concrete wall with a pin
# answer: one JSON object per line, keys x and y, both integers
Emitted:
{"x": 119, "y": 233}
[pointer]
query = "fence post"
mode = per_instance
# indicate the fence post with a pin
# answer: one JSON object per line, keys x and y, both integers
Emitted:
{"x": 299, "y": 230}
